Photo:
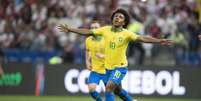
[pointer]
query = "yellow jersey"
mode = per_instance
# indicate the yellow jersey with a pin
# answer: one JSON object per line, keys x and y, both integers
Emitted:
{"x": 94, "y": 46}
{"x": 116, "y": 44}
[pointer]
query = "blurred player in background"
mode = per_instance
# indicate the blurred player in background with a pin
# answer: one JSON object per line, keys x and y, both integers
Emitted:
{"x": 94, "y": 47}
{"x": 116, "y": 39}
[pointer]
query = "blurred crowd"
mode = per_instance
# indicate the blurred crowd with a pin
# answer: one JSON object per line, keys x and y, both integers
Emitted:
{"x": 31, "y": 25}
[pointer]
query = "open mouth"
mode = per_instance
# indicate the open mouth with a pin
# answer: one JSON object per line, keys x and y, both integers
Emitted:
{"x": 116, "y": 21}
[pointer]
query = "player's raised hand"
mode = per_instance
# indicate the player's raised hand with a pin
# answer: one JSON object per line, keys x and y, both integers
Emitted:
{"x": 166, "y": 42}
{"x": 63, "y": 28}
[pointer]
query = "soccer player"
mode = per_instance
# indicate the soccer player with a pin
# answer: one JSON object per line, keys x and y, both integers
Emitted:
{"x": 116, "y": 39}
{"x": 95, "y": 62}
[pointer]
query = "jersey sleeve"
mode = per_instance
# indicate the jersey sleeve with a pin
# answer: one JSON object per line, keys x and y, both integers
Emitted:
{"x": 133, "y": 36}
{"x": 99, "y": 31}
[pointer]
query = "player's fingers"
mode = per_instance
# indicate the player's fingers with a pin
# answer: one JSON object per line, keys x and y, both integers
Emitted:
{"x": 60, "y": 27}
{"x": 66, "y": 26}
{"x": 62, "y": 30}
{"x": 167, "y": 42}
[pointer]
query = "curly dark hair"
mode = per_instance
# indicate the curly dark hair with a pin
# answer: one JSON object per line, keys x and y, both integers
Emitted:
{"x": 126, "y": 15}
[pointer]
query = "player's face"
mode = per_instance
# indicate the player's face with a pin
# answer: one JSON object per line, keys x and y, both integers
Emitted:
{"x": 95, "y": 25}
{"x": 118, "y": 20}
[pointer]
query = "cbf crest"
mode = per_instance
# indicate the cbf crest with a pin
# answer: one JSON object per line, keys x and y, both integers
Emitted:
{"x": 120, "y": 39}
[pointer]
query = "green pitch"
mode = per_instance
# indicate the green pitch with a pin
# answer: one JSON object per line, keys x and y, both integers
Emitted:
{"x": 76, "y": 98}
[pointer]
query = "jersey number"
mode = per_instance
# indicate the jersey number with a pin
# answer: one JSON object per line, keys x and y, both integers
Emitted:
{"x": 112, "y": 45}
{"x": 117, "y": 74}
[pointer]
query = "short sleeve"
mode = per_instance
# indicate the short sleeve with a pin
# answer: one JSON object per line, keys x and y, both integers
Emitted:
{"x": 99, "y": 31}
{"x": 133, "y": 36}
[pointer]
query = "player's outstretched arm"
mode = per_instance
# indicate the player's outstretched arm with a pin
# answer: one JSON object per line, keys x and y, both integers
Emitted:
{"x": 149, "y": 39}
{"x": 66, "y": 29}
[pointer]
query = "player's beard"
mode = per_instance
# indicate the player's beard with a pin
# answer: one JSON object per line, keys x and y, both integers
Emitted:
{"x": 117, "y": 24}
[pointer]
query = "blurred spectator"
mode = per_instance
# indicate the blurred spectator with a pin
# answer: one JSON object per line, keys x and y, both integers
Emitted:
{"x": 25, "y": 13}
{"x": 1, "y": 62}
{"x": 136, "y": 27}
{"x": 7, "y": 36}
{"x": 68, "y": 54}
{"x": 194, "y": 29}
{"x": 179, "y": 47}
{"x": 79, "y": 51}
{"x": 166, "y": 22}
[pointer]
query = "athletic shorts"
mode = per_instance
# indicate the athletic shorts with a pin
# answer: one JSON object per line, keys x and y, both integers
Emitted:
{"x": 116, "y": 75}
{"x": 95, "y": 77}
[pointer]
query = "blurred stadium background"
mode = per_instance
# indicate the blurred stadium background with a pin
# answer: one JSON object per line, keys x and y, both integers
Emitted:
{"x": 39, "y": 63}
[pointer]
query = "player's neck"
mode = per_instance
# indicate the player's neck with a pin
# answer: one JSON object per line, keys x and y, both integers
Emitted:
{"x": 117, "y": 28}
